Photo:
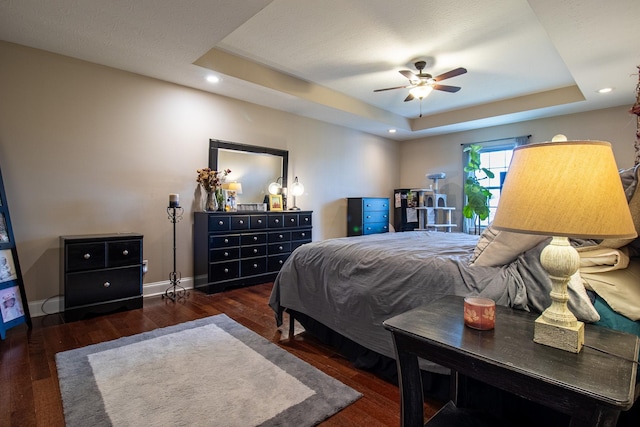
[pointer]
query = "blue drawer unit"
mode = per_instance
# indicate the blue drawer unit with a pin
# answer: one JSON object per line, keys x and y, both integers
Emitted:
{"x": 367, "y": 215}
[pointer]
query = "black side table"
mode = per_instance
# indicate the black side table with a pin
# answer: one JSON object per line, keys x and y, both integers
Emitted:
{"x": 592, "y": 387}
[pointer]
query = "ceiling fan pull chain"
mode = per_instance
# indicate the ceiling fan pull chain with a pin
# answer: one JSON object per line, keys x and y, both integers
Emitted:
{"x": 420, "y": 107}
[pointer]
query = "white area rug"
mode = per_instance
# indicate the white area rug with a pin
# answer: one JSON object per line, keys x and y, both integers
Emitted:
{"x": 208, "y": 372}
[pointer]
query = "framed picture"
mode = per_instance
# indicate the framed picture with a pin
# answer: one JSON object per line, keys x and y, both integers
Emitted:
{"x": 11, "y": 304}
{"x": 4, "y": 234}
{"x": 7, "y": 267}
{"x": 275, "y": 202}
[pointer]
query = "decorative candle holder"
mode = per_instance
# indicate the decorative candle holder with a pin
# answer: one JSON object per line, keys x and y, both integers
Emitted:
{"x": 479, "y": 313}
{"x": 175, "y": 291}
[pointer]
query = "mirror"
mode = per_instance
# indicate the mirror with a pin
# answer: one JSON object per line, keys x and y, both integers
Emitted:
{"x": 252, "y": 166}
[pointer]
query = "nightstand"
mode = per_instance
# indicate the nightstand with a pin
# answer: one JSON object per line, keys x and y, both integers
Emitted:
{"x": 592, "y": 387}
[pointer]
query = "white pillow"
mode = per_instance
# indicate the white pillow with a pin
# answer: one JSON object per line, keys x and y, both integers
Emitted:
{"x": 619, "y": 288}
{"x": 496, "y": 247}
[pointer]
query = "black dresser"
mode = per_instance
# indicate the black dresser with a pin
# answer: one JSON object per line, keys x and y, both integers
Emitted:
{"x": 244, "y": 248}
{"x": 100, "y": 273}
{"x": 367, "y": 215}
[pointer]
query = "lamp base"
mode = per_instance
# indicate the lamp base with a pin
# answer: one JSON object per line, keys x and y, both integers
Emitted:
{"x": 567, "y": 338}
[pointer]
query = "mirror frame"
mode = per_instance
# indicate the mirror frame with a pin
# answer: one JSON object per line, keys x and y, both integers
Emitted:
{"x": 215, "y": 144}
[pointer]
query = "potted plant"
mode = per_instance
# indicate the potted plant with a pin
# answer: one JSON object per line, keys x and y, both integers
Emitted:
{"x": 478, "y": 196}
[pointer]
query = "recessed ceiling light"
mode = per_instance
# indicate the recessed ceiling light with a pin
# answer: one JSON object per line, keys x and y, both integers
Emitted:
{"x": 605, "y": 90}
{"x": 392, "y": 131}
{"x": 213, "y": 79}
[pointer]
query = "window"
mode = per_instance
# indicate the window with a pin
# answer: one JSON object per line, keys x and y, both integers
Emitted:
{"x": 497, "y": 161}
{"x": 495, "y": 156}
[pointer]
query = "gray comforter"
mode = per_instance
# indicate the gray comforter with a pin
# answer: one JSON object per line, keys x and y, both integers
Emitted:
{"x": 353, "y": 284}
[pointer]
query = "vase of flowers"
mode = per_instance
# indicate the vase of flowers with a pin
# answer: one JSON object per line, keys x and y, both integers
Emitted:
{"x": 211, "y": 182}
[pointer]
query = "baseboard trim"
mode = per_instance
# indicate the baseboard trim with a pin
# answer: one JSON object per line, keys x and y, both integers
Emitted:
{"x": 54, "y": 304}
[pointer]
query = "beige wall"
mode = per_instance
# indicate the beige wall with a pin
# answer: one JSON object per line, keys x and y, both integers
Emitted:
{"x": 444, "y": 153}
{"x": 90, "y": 149}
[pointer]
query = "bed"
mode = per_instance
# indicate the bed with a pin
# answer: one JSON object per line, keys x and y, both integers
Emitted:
{"x": 351, "y": 285}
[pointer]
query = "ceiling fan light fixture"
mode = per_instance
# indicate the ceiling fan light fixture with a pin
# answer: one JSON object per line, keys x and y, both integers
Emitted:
{"x": 421, "y": 92}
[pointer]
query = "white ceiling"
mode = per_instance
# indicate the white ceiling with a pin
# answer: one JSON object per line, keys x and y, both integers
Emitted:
{"x": 323, "y": 59}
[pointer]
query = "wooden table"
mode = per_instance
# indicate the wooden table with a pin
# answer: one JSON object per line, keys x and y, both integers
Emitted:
{"x": 592, "y": 387}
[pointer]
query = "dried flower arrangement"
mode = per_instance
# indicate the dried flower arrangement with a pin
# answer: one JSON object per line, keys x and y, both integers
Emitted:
{"x": 211, "y": 180}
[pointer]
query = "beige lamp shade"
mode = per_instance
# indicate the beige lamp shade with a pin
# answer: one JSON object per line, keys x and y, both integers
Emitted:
{"x": 569, "y": 189}
{"x": 235, "y": 186}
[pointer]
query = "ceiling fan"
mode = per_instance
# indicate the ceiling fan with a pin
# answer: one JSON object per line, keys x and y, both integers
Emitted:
{"x": 422, "y": 84}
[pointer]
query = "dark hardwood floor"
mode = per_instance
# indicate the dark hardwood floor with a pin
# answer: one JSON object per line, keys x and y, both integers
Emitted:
{"x": 29, "y": 393}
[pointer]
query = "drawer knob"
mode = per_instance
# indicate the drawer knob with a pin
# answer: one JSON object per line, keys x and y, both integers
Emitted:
{"x": 280, "y": 262}
{"x": 280, "y": 236}
{"x": 259, "y": 221}
{"x": 226, "y": 240}
{"x": 292, "y": 220}
{"x": 87, "y": 256}
{"x": 125, "y": 252}
{"x": 226, "y": 254}
{"x": 255, "y": 251}
{"x": 306, "y": 219}
{"x": 220, "y": 222}
{"x": 241, "y": 221}
{"x": 255, "y": 238}
{"x": 226, "y": 270}
{"x": 303, "y": 234}
{"x": 255, "y": 265}
{"x": 368, "y": 216}
{"x": 280, "y": 248}
{"x": 277, "y": 221}
{"x": 106, "y": 284}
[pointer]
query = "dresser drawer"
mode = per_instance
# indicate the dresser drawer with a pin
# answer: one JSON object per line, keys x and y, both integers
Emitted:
{"x": 258, "y": 222}
{"x": 225, "y": 241}
{"x": 275, "y": 262}
{"x": 279, "y": 248}
{"x": 85, "y": 256}
{"x": 123, "y": 253}
{"x": 221, "y": 271}
{"x": 240, "y": 222}
{"x": 369, "y": 205}
{"x": 279, "y": 236}
{"x": 301, "y": 235}
{"x": 253, "y": 266}
{"x": 276, "y": 221}
{"x": 304, "y": 220}
{"x": 219, "y": 222}
{"x": 224, "y": 254}
{"x": 102, "y": 285}
{"x": 373, "y": 228}
{"x": 253, "y": 251}
{"x": 375, "y": 216}
{"x": 253, "y": 239}
{"x": 291, "y": 220}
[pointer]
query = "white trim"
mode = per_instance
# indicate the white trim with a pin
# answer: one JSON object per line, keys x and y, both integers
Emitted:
{"x": 55, "y": 304}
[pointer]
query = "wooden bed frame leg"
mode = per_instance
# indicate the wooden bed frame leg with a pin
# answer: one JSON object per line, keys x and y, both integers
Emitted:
{"x": 291, "y": 325}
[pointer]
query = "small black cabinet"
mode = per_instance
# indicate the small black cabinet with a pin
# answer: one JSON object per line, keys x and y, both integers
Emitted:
{"x": 244, "y": 248}
{"x": 100, "y": 273}
{"x": 367, "y": 215}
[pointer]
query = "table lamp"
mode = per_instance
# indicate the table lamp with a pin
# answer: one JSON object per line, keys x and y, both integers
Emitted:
{"x": 233, "y": 189}
{"x": 563, "y": 189}
{"x": 297, "y": 189}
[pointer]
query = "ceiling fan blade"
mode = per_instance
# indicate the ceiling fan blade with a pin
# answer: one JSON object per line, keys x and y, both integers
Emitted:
{"x": 391, "y": 88}
{"x": 409, "y": 98}
{"x": 450, "y": 74}
{"x": 409, "y": 74}
{"x": 446, "y": 88}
